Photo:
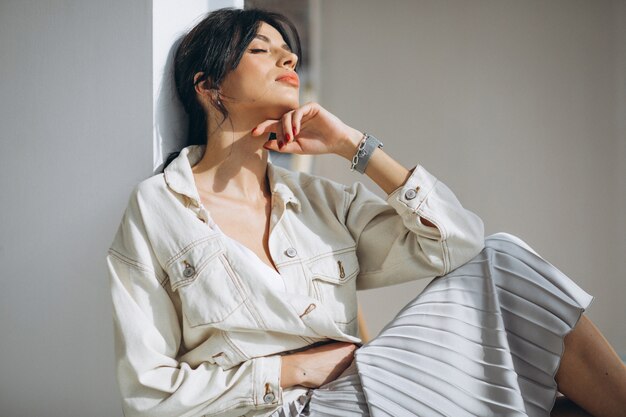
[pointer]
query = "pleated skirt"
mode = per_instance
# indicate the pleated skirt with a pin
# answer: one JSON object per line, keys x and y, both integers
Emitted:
{"x": 483, "y": 340}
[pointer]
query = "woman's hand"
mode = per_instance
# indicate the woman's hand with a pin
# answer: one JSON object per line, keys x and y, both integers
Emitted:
{"x": 316, "y": 366}
{"x": 309, "y": 129}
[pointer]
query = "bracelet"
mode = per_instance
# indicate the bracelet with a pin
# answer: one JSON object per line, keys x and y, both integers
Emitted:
{"x": 364, "y": 152}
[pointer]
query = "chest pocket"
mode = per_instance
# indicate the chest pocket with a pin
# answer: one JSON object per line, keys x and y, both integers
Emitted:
{"x": 209, "y": 289}
{"x": 334, "y": 282}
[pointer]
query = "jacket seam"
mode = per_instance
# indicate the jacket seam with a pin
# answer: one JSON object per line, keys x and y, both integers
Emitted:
{"x": 326, "y": 254}
{"x": 426, "y": 196}
{"x": 306, "y": 184}
{"x": 346, "y": 201}
{"x": 254, "y": 365}
{"x": 254, "y": 313}
{"x": 287, "y": 263}
{"x": 442, "y": 228}
{"x": 129, "y": 261}
{"x": 346, "y": 322}
{"x": 236, "y": 348}
{"x": 242, "y": 289}
{"x": 446, "y": 256}
{"x": 346, "y": 205}
{"x": 386, "y": 269}
{"x": 190, "y": 246}
{"x": 137, "y": 265}
{"x": 236, "y": 403}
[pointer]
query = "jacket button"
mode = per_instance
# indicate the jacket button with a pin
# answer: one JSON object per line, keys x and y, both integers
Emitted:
{"x": 410, "y": 194}
{"x": 189, "y": 271}
{"x": 291, "y": 252}
{"x": 269, "y": 397}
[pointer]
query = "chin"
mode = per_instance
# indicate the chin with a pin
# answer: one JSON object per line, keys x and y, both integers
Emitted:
{"x": 277, "y": 110}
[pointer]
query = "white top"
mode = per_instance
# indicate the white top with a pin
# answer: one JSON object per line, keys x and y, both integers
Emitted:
{"x": 270, "y": 275}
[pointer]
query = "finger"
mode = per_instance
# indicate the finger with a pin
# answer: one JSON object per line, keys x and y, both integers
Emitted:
{"x": 280, "y": 145}
{"x": 296, "y": 120}
{"x": 271, "y": 145}
{"x": 269, "y": 125}
{"x": 297, "y": 117}
{"x": 287, "y": 129}
{"x": 283, "y": 147}
{"x": 299, "y": 114}
{"x": 274, "y": 141}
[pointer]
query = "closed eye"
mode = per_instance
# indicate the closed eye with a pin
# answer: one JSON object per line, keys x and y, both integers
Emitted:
{"x": 259, "y": 50}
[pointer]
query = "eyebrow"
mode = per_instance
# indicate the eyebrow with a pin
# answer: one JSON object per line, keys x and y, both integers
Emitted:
{"x": 266, "y": 39}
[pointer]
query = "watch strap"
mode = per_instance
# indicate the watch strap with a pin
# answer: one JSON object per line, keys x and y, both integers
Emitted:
{"x": 364, "y": 154}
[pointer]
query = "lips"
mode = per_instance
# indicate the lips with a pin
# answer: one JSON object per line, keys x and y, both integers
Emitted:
{"x": 291, "y": 78}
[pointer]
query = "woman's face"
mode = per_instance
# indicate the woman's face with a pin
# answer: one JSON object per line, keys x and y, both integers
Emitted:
{"x": 253, "y": 85}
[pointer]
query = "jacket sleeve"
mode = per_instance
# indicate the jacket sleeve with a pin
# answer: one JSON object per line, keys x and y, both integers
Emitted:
{"x": 151, "y": 380}
{"x": 394, "y": 246}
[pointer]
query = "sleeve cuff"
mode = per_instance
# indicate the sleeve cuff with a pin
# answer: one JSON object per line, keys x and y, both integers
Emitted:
{"x": 266, "y": 380}
{"x": 410, "y": 195}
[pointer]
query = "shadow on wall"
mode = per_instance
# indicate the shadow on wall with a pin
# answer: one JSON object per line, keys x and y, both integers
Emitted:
{"x": 170, "y": 120}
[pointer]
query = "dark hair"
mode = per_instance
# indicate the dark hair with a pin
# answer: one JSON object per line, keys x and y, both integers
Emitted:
{"x": 214, "y": 47}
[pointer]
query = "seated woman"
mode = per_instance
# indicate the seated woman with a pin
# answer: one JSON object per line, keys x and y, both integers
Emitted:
{"x": 234, "y": 280}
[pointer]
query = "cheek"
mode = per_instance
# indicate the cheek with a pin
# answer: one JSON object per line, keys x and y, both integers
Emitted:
{"x": 248, "y": 77}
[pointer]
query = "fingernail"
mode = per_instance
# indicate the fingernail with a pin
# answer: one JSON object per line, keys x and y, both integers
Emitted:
{"x": 294, "y": 131}
{"x": 280, "y": 144}
{"x": 287, "y": 137}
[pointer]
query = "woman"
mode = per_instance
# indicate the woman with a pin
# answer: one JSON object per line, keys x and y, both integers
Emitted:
{"x": 234, "y": 280}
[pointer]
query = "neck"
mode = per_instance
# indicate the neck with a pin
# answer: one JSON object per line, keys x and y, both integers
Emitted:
{"x": 234, "y": 165}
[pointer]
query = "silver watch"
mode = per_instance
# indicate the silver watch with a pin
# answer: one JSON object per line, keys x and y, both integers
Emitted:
{"x": 364, "y": 152}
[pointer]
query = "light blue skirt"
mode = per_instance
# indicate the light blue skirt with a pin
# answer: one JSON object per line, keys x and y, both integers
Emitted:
{"x": 483, "y": 340}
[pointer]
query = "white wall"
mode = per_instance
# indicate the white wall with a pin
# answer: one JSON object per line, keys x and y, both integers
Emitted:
{"x": 170, "y": 21}
{"x": 75, "y": 136}
{"x": 514, "y": 105}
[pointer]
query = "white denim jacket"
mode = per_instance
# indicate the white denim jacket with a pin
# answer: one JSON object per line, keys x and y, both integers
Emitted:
{"x": 197, "y": 335}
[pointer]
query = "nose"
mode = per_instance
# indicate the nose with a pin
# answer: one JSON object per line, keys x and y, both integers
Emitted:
{"x": 289, "y": 59}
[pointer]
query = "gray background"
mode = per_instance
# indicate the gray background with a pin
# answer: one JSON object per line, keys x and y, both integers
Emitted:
{"x": 518, "y": 106}
{"x": 76, "y": 135}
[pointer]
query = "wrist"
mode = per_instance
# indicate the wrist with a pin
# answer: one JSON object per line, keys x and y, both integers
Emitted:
{"x": 349, "y": 144}
{"x": 291, "y": 373}
{"x": 367, "y": 147}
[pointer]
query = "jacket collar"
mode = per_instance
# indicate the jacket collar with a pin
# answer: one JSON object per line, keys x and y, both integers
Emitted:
{"x": 179, "y": 177}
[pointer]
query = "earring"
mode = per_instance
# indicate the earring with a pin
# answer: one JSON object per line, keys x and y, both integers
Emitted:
{"x": 217, "y": 100}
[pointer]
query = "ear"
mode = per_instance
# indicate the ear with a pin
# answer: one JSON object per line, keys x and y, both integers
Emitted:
{"x": 201, "y": 87}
